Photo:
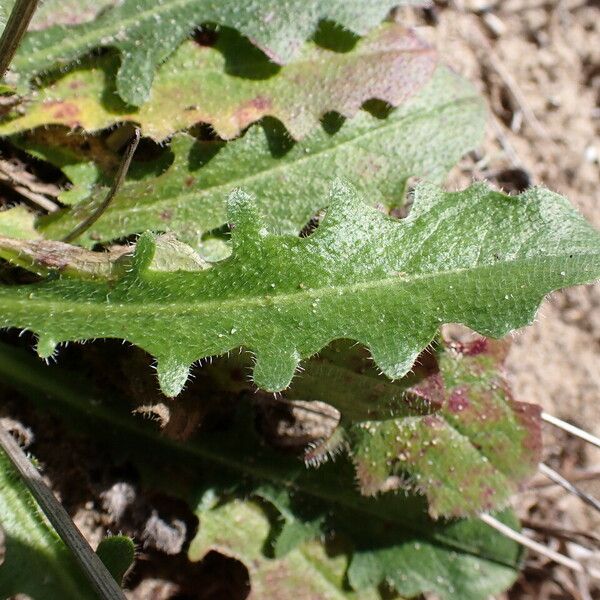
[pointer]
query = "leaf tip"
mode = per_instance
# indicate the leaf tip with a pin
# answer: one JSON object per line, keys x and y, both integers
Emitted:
{"x": 274, "y": 368}
{"x": 46, "y": 346}
{"x": 172, "y": 375}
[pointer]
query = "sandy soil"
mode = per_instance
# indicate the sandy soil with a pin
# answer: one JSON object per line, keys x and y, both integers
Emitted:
{"x": 538, "y": 64}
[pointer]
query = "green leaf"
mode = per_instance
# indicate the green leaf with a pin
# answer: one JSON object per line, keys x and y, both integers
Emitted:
{"x": 425, "y": 136}
{"x": 392, "y": 539}
{"x": 36, "y": 561}
{"x": 146, "y": 32}
{"x": 230, "y": 88}
{"x": 476, "y": 257}
{"x": 117, "y": 552}
{"x": 241, "y": 529}
{"x": 451, "y": 431}
{"x": 18, "y": 222}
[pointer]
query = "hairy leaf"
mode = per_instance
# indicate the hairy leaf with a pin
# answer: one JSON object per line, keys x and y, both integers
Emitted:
{"x": 425, "y": 137}
{"x": 451, "y": 431}
{"x": 227, "y": 87}
{"x": 476, "y": 257}
{"x": 36, "y": 561}
{"x": 241, "y": 529}
{"x": 392, "y": 539}
{"x": 146, "y": 32}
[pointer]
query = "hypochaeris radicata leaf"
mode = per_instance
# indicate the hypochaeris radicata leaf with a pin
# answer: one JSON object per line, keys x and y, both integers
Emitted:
{"x": 476, "y": 257}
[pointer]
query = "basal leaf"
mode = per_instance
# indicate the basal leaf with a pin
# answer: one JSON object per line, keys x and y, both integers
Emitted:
{"x": 36, "y": 561}
{"x": 391, "y": 539}
{"x": 451, "y": 431}
{"x": 476, "y": 257}
{"x": 226, "y": 87}
{"x": 425, "y": 136}
{"x": 146, "y": 32}
{"x": 241, "y": 529}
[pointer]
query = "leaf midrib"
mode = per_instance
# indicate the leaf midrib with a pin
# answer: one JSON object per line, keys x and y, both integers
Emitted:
{"x": 126, "y": 306}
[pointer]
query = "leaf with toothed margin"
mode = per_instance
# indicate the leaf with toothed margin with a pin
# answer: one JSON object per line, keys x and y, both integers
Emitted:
{"x": 230, "y": 88}
{"x": 451, "y": 430}
{"x": 476, "y": 257}
{"x": 146, "y": 32}
{"x": 241, "y": 528}
{"x": 425, "y": 136}
{"x": 391, "y": 539}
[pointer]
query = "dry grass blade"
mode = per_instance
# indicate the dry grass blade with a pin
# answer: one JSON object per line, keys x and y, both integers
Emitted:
{"x": 15, "y": 29}
{"x": 557, "y": 557}
{"x": 576, "y": 431}
{"x": 24, "y": 184}
{"x": 118, "y": 181}
{"x": 567, "y": 485}
{"x": 569, "y": 535}
{"x": 101, "y": 580}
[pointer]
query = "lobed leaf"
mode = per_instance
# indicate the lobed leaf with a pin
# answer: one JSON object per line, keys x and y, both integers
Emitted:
{"x": 146, "y": 32}
{"x": 476, "y": 257}
{"x": 425, "y": 136}
{"x": 451, "y": 430}
{"x": 230, "y": 88}
{"x": 241, "y": 529}
{"x": 391, "y": 539}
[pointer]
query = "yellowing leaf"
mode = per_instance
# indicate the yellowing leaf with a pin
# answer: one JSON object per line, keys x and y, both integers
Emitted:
{"x": 146, "y": 32}
{"x": 423, "y": 137}
{"x": 231, "y": 85}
